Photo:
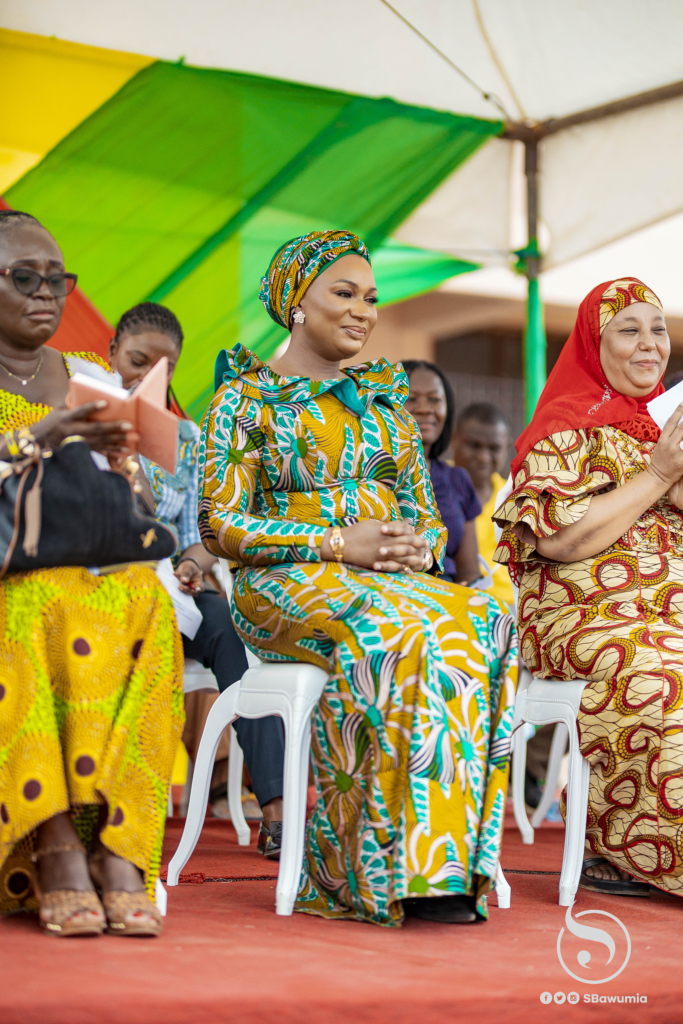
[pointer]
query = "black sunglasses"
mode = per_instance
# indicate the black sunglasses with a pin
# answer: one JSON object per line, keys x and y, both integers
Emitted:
{"x": 29, "y": 281}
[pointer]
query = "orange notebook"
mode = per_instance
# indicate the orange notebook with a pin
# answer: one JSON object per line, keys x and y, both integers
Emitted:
{"x": 145, "y": 408}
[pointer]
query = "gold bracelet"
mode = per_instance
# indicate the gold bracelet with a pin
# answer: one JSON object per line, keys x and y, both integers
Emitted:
{"x": 337, "y": 544}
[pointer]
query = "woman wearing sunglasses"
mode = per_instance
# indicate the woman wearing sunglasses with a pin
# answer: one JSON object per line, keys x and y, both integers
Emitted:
{"x": 90, "y": 665}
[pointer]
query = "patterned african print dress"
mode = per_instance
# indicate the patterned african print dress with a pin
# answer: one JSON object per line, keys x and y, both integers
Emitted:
{"x": 91, "y": 704}
{"x": 617, "y": 620}
{"x": 411, "y": 738}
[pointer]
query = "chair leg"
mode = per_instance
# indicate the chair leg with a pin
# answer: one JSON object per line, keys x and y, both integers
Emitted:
{"x": 235, "y": 768}
{"x": 187, "y": 788}
{"x": 577, "y": 809}
{"x": 518, "y": 772}
{"x": 222, "y": 714}
{"x": 297, "y": 751}
{"x": 160, "y": 897}
{"x": 503, "y": 891}
{"x": 557, "y": 752}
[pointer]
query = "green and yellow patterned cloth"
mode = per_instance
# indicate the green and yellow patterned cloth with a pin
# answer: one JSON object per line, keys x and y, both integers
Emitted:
{"x": 91, "y": 705}
{"x": 411, "y": 739}
{"x": 295, "y": 266}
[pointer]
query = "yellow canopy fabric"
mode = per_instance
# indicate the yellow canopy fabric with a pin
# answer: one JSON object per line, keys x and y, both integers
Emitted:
{"x": 53, "y": 85}
{"x": 173, "y": 183}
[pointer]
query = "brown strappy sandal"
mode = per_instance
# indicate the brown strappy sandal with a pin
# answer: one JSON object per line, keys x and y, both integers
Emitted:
{"x": 128, "y": 913}
{"x": 67, "y": 913}
{"x": 131, "y": 913}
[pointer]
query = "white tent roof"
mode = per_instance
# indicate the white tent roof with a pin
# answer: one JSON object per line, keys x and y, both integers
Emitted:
{"x": 546, "y": 58}
{"x": 542, "y": 59}
{"x": 653, "y": 255}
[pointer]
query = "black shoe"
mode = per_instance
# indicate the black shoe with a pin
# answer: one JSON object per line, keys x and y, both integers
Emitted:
{"x": 269, "y": 841}
{"x": 445, "y": 909}
{"x": 217, "y": 793}
{"x": 533, "y": 790}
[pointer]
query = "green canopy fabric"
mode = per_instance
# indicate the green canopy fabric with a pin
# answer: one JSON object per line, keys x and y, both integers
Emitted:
{"x": 403, "y": 271}
{"x": 180, "y": 188}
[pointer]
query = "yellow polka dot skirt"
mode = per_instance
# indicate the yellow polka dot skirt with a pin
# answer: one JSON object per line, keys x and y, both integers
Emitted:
{"x": 91, "y": 710}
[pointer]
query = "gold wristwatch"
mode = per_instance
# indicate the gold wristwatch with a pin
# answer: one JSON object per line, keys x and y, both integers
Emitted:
{"x": 337, "y": 544}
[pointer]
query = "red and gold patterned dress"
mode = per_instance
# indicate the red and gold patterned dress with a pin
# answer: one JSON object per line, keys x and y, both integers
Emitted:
{"x": 91, "y": 703}
{"x": 617, "y": 620}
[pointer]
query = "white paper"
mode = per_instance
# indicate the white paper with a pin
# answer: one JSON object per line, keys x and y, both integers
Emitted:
{"x": 101, "y": 461}
{"x": 107, "y": 387}
{"x": 664, "y": 406}
{"x": 188, "y": 615}
{"x": 86, "y": 368}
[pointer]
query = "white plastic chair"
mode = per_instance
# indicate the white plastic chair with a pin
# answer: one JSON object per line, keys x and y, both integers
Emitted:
{"x": 195, "y": 677}
{"x": 281, "y": 688}
{"x": 544, "y": 702}
{"x": 290, "y": 690}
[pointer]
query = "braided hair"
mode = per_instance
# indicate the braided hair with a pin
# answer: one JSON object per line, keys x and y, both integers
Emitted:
{"x": 150, "y": 316}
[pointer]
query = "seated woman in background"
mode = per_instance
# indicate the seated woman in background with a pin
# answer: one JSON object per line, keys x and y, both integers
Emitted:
{"x": 144, "y": 335}
{"x": 90, "y": 665}
{"x": 594, "y": 538}
{"x": 315, "y": 486}
{"x": 431, "y": 402}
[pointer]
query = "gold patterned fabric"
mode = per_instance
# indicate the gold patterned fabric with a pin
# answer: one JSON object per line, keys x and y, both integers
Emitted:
{"x": 617, "y": 620}
{"x": 295, "y": 266}
{"x": 91, "y": 706}
{"x": 410, "y": 741}
{"x": 621, "y": 294}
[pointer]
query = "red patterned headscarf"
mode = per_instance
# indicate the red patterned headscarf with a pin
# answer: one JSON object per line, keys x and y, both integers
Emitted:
{"x": 577, "y": 394}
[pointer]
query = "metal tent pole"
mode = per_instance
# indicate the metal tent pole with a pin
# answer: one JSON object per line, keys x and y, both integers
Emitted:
{"x": 534, "y": 345}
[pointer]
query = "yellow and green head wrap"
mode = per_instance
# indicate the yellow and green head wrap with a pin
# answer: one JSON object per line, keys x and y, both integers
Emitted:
{"x": 296, "y": 265}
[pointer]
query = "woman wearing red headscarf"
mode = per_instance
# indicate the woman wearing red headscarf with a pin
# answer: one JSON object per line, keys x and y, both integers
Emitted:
{"x": 594, "y": 538}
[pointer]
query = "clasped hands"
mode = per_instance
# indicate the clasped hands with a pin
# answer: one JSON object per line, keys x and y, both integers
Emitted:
{"x": 384, "y": 547}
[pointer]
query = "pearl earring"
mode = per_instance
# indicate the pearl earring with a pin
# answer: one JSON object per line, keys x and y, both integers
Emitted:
{"x": 299, "y": 317}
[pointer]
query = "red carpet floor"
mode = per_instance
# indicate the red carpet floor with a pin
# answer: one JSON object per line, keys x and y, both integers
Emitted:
{"x": 226, "y": 957}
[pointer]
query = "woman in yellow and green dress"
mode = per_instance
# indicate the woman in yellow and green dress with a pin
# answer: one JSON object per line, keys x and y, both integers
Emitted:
{"x": 91, "y": 704}
{"x": 594, "y": 538}
{"x": 315, "y": 487}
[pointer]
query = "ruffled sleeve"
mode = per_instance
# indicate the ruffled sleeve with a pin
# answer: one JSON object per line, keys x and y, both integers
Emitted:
{"x": 230, "y": 456}
{"x": 552, "y": 490}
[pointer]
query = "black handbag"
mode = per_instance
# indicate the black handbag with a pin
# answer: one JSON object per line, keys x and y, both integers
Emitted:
{"x": 57, "y": 508}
